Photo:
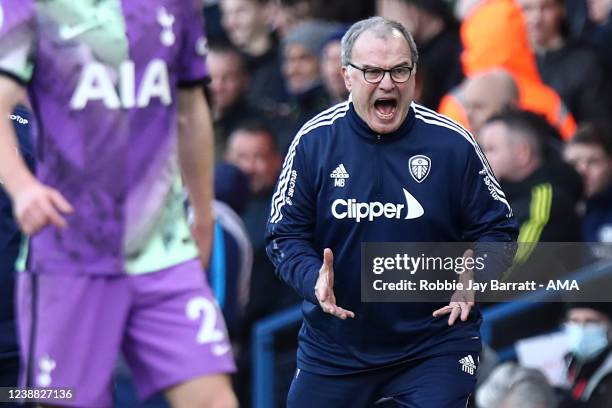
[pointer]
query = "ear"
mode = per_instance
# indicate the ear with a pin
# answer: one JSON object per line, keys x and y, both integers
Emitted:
{"x": 347, "y": 78}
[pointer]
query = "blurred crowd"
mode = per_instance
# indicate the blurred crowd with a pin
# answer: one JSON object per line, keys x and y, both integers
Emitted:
{"x": 531, "y": 79}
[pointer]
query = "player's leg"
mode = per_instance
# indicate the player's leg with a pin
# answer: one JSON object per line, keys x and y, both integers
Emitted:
{"x": 338, "y": 391}
{"x": 214, "y": 391}
{"x": 437, "y": 382}
{"x": 176, "y": 340}
{"x": 70, "y": 329}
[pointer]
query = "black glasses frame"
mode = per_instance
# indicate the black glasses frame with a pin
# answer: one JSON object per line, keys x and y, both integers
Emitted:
{"x": 384, "y": 72}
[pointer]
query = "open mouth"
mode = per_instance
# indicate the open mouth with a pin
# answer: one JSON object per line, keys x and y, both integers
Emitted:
{"x": 385, "y": 107}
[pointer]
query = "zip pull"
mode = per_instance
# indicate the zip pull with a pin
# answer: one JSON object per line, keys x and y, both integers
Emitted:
{"x": 378, "y": 137}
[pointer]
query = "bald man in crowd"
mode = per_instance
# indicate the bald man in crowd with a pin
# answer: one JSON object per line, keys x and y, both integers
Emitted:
{"x": 487, "y": 94}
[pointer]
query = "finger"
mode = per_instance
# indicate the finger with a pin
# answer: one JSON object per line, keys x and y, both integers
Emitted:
{"x": 469, "y": 253}
{"x": 454, "y": 314}
{"x": 465, "y": 310}
{"x": 60, "y": 202}
{"x": 348, "y": 313}
{"x": 52, "y": 215}
{"x": 341, "y": 312}
{"x": 442, "y": 311}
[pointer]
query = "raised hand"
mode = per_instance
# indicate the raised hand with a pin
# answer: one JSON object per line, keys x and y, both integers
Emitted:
{"x": 324, "y": 288}
{"x": 462, "y": 300}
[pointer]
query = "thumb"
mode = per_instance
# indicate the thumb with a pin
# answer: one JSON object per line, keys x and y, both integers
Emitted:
{"x": 328, "y": 258}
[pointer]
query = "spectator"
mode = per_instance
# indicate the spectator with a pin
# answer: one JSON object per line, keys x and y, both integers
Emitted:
{"x": 331, "y": 65}
{"x": 229, "y": 82}
{"x": 513, "y": 386}
{"x": 436, "y": 33}
{"x": 599, "y": 33}
{"x": 302, "y": 74}
{"x": 246, "y": 24}
{"x": 486, "y": 94}
{"x": 290, "y": 13}
{"x": 519, "y": 154}
{"x": 493, "y": 35}
{"x": 212, "y": 23}
{"x": 253, "y": 150}
{"x": 543, "y": 192}
{"x": 590, "y": 152}
{"x": 584, "y": 91}
{"x": 589, "y": 364}
{"x": 599, "y": 10}
{"x": 577, "y": 15}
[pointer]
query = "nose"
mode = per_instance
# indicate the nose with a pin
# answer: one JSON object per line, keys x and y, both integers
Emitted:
{"x": 386, "y": 83}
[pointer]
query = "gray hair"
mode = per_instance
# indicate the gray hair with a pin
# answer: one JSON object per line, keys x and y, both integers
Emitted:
{"x": 511, "y": 385}
{"x": 382, "y": 27}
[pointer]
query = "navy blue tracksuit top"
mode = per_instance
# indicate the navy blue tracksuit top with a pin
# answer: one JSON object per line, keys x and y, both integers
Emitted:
{"x": 459, "y": 200}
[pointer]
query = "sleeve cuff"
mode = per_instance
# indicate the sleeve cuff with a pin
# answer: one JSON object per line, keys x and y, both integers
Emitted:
{"x": 14, "y": 77}
{"x": 310, "y": 280}
{"x": 194, "y": 83}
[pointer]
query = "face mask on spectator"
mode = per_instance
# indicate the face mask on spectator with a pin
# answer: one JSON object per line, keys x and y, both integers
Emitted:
{"x": 586, "y": 341}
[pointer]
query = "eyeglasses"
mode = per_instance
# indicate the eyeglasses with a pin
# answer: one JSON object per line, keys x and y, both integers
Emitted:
{"x": 399, "y": 74}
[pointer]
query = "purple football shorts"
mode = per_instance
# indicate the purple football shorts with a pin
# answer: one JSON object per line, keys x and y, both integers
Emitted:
{"x": 72, "y": 327}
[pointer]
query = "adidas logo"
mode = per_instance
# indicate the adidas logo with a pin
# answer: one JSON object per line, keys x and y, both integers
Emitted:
{"x": 468, "y": 365}
{"x": 339, "y": 175}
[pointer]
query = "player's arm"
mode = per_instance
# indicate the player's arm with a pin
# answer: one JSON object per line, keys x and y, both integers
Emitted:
{"x": 289, "y": 235}
{"x": 35, "y": 205}
{"x": 195, "y": 148}
{"x": 488, "y": 223}
{"x": 487, "y": 217}
{"x": 14, "y": 172}
{"x": 290, "y": 229}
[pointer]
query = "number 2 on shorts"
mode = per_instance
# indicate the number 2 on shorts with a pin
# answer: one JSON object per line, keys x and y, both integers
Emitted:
{"x": 208, "y": 332}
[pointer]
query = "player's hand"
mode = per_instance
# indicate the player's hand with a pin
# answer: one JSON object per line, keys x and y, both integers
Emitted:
{"x": 36, "y": 206}
{"x": 462, "y": 301}
{"x": 324, "y": 288}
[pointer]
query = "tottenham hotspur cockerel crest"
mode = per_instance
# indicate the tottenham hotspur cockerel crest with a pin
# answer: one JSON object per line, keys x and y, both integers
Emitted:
{"x": 419, "y": 167}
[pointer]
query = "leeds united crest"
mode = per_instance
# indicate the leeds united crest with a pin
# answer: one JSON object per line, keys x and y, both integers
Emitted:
{"x": 419, "y": 167}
